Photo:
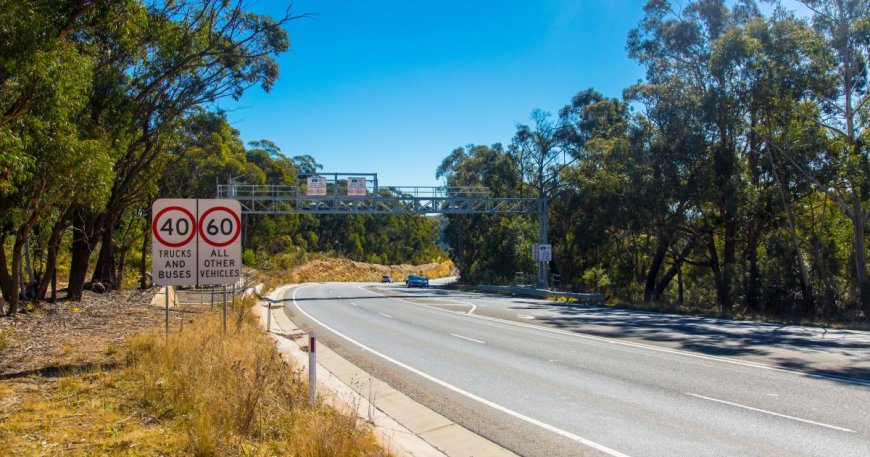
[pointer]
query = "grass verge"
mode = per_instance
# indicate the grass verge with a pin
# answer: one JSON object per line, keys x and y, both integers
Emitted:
{"x": 199, "y": 393}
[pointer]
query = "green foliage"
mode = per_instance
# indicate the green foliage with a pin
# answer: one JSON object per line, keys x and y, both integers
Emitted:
{"x": 249, "y": 258}
{"x": 741, "y": 186}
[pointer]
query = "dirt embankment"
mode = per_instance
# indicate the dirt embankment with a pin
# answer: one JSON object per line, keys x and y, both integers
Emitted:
{"x": 70, "y": 334}
{"x": 344, "y": 270}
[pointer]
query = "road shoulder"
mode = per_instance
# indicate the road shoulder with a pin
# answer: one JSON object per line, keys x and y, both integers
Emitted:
{"x": 403, "y": 425}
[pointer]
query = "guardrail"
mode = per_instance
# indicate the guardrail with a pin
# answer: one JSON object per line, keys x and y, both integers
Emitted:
{"x": 594, "y": 299}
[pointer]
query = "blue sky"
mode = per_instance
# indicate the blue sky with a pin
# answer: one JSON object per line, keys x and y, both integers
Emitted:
{"x": 392, "y": 87}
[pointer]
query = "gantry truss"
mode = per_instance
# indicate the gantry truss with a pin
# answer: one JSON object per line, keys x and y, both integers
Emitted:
{"x": 284, "y": 200}
{"x": 268, "y": 199}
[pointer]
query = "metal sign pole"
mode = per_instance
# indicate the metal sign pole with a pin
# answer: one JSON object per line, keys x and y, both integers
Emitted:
{"x": 166, "y": 292}
{"x": 212, "y": 296}
{"x": 225, "y": 310}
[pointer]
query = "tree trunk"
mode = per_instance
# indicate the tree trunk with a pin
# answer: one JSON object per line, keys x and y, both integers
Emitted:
{"x": 680, "y": 285}
{"x": 105, "y": 270}
{"x": 14, "y": 295}
{"x": 861, "y": 275}
{"x": 5, "y": 277}
{"x": 729, "y": 260}
{"x": 81, "y": 249}
{"x": 718, "y": 276}
{"x": 753, "y": 282}
{"x": 143, "y": 270}
{"x": 675, "y": 269}
{"x": 808, "y": 307}
{"x": 649, "y": 291}
{"x": 51, "y": 256}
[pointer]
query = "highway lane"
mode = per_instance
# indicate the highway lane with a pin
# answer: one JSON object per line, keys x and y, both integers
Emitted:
{"x": 544, "y": 392}
{"x": 828, "y": 352}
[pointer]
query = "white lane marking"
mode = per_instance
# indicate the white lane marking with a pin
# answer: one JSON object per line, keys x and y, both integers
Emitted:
{"x": 650, "y": 347}
{"x": 467, "y": 338}
{"x": 464, "y": 393}
{"x": 469, "y": 312}
{"x": 354, "y": 304}
{"x": 525, "y": 316}
{"x": 386, "y": 315}
{"x": 771, "y": 413}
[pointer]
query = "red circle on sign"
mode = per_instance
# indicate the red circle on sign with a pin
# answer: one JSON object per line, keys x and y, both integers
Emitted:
{"x": 156, "y": 232}
{"x": 205, "y": 235}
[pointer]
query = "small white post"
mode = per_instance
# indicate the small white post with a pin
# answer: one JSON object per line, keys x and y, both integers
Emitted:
{"x": 268, "y": 316}
{"x": 312, "y": 367}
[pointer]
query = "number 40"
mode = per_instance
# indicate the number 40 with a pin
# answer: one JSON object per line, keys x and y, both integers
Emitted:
{"x": 182, "y": 226}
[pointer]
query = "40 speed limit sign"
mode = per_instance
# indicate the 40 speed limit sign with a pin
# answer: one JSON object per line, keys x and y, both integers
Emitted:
{"x": 196, "y": 242}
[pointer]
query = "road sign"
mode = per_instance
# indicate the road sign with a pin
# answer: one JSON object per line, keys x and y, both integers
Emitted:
{"x": 173, "y": 248}
{"x": 220, "y": 246}
{"x": 356, "y": 187}
{"x": 545, "y": 252}
{"x": 316, "y": 185}
{"x": 196, "y": 242}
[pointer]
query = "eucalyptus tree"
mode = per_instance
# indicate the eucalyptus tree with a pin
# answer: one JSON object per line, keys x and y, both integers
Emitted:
{"x": 45, "y": 78}
{"x": 770, "y": 55}
{"x": 156, "y": 63}
{"x": 840, "y": 98}
{"x": 676, "y": 44}
{"x": 489, "y": 248}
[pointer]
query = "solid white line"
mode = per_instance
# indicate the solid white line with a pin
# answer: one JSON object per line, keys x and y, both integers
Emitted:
{"x": 464, "y": 393}
{"x": 772, "y": 413}
{"x": 467, "y": 338}
{"x": 386, "y": 315}
{"x": 650, "y": 347}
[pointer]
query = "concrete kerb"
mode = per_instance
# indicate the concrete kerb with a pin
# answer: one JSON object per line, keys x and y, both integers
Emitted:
{"x": 159, "y": 297}
{"x": 402, "y": 425}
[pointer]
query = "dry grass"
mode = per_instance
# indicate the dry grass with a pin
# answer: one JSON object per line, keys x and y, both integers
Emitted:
{"x": 344, "y": 270}
{"x": 199, "y": 393}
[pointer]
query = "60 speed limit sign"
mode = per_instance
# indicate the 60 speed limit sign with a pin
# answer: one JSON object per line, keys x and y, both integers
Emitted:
{"x": 196, "y": 242}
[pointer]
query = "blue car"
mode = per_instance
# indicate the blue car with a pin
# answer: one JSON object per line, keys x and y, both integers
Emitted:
{"x": 417, "y": 281}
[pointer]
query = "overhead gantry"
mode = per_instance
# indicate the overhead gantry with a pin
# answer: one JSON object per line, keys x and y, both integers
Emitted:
{"x": 369, "y": 198}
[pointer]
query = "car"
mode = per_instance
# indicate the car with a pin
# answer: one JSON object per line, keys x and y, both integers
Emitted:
{"x": 387, "y": 279}
{"x": 417, "y": 281}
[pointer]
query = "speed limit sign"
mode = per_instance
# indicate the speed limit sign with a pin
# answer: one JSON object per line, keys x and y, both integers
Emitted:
{"x": 173, "y": 250}
{"x": 196, "y": 242}
{"x": 220, "y": 247}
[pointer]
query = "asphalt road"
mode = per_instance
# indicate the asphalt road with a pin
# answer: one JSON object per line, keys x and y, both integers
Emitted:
{"x": 546, "y": 380}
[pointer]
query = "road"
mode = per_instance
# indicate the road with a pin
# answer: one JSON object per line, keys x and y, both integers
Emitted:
{"x": 542, "y": 383}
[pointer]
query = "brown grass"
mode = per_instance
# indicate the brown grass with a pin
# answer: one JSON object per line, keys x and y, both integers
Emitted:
{"x": 345, "y": 270}
{"x": 199, "y": 393}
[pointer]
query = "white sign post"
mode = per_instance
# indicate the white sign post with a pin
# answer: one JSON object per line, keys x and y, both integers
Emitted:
{"x": 316, "y": 185}
{"x": 356, "y": 187}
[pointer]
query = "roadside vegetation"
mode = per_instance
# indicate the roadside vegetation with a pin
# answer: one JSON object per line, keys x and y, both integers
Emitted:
{"x": 99, "y": 117}
{"x": 733, "y": 179}
{"x": 199, "y": 393}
